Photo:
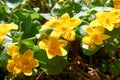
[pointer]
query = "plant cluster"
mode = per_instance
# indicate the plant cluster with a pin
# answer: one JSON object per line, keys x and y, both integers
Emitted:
{"x": 40, "y": 35}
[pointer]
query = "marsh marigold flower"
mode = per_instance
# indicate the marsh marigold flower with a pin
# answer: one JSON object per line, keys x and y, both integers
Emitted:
{"x": 53, "y": 46}
{"x": 63, "y": 26}
{"x": 67, "y": 26}
{"x": 22, "y": 63}
{"x": 105, "y": 19}
{"x": 4, "y": 28}
{"x": 94, "y": 35}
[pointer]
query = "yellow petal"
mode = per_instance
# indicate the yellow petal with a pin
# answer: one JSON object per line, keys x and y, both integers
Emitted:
{"x": 63, "y": 52}
{"x": 89, "y": 30}
{"x": 36, "y": 63}
{"x": 63, "y": 43}
{"x": 43, "y": 44}
{"x": 65, "y": 17}
{"x": 16, "y": 56}
{"x": 1, "y": 40}
{"x": 103, "y": 37}
{"x": 86, "y": 40}
{"x": 49, "y": 55}
{"x": 52, "y": 23}
{"x": 12, "y": 26}
{"x": 97, "y": 40}
{"x": 33, "y": 63}
{"x": 75, "y": 22}
{"x": 100, "y": 14}
{"x": 116, "y": 12}
{"x": 55, "y": 34}
{"x": 69, "y": 35}
{"x": 12, "y": 49}
{"x": 99, "y": 29}
{"x": 28, "y": 72}
{"x": 116, "y": 4}
{"x": 16, "y": 70}
{"x": 10, "y": 65}
{"x": 3, "y": 29}
{"x": 109, "y": 27}
{"x": 28, "y": 54}
{"x": 95, "y": 23}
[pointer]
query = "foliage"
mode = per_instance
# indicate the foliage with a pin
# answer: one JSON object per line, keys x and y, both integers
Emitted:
{"x": 50, "y": 29}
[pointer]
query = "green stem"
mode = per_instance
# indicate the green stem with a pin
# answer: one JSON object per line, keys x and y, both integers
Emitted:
{"x": 32, "y": 38}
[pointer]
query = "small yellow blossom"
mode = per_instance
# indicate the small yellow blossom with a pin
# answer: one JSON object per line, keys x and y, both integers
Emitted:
{"x": 105, "y": 19}
{"x": 53, "y": 47}
{"x": 27, "y": 62}
{"x": 116, "y": 4}
{"x": 22, "y": 63}
{"x": 12, "y": 49}
{"x": 4, "y": 28}
{"x": 65, "y": 29}
{"x": 94, "y": 35}
{"x": 63, "y": 26}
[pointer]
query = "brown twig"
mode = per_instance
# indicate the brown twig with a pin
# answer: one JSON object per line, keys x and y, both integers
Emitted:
{"x": 40, "y": 74}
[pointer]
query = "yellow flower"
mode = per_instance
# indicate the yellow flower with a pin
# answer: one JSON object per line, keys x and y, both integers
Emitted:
{"x": 27, "y": 62}
{"x": 4, "y": 28}
{"x": 116, "y": 4}
{"x": 105, "y": 19}
{"x": 22, "y": 63}
{"x": 66, "y": 26}
{"x": 63, "y": 26}
{"x": 94, "y": 35}
{"x": 53, "y": 47}
{"x": 12, "y": 49}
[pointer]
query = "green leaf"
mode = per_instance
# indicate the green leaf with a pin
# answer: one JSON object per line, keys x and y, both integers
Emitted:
{"x": 56, "y": 65}
{"x": 26, "y": 27}
{"x": 40, "y": 54}
{"x": 35, "y": 15}
{"x": 114, "y": 70}
{"x": 4, "y": 59}
{"x": 117, "y": 63}
{"x": 110, "y": 49}
{"x": 2, "y": 14}
{"x": 25, "y": 45}
{"x": 20, "y": 14}
{"x": 28, "y": 43}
